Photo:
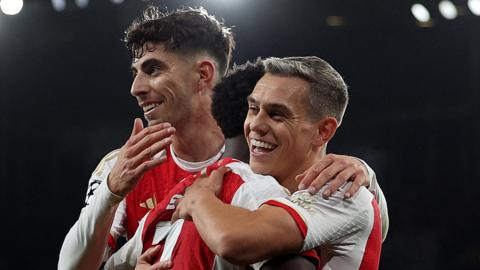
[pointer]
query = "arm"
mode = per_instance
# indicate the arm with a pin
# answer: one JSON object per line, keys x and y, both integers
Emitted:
{"x": 242, "y": 236}
{"x": 289, "y": 262}
{"x": 85, "y": 246}
{"x": 239, "y": 235}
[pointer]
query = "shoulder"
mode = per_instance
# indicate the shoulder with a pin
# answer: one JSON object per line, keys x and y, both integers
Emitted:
{"x": 255, "y": 187}
{"x": 105, "y": 165}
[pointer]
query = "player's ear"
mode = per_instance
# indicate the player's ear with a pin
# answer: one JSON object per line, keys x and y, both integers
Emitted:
{"x": 325, "y": 128}
{"x": 206, "y": 71}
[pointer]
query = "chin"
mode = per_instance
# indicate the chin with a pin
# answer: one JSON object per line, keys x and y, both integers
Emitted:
{"x": 153, "y": 122}
{"x": 259, "y": 168}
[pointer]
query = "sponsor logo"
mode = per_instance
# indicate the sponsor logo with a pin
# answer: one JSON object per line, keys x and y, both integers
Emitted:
{"x": 304, "y": 200}
{"x": 149, "y": 203}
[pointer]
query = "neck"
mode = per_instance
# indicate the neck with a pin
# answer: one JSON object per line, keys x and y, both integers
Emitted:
{"x": 198, "y": 140}
{"x": 312, "y": 158}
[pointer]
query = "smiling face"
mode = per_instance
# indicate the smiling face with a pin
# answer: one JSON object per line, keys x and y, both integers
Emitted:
{"x": 163, "y": 85}
{"x": 277, "y": 128}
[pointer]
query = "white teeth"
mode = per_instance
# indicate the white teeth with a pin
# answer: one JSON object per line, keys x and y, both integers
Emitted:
{"x": 265, "y": 145}
{"x": 150, "y": 106}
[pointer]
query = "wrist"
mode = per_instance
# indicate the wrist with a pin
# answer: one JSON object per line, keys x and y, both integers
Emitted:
{"x": 113, "y": 190}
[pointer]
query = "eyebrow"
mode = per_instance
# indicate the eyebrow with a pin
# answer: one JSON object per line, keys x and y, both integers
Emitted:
{"x": 150, "y": 62}
{"x": 274, "y": 106}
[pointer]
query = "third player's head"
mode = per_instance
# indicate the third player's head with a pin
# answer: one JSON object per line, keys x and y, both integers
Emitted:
{"x": 294, "y": 111}
{"x": 177, "y": 58}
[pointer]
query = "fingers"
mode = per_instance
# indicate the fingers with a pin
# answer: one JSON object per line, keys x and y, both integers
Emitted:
{"x": 145, "y": 261}
{"x": 161, "y": 265}
{"x": 175, "y": 216}
{"x": 312, "y": 174}
{"x": 178, "y": 208}
{"x": 325, "y": 176}
{"x": 149, "y": 255}
{"x": 219, "y": 173}
{"x": 148, "y": 153}
{"x": 341, "y": 178}
{"x": 149, "y": 133}
{"x": 137, "y": 127}
{"x": 217, "y": 176}
{"x": 358, "y": 181}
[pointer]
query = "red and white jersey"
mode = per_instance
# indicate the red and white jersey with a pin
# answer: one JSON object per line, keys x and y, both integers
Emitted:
{"x": 103, "y": 214}
{"x": 181, "y": 241}
{"x": 346, "y": 233}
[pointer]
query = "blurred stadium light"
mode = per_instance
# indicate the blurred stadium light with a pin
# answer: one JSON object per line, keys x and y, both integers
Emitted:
{"x": 11, "y": 7}
{"x": 474, "y": 6}
{"x": 448, "y": 9}
{"x": 59, "y": 5}
{"x": 420, "y": 12}
{"x": 82, "y": 3}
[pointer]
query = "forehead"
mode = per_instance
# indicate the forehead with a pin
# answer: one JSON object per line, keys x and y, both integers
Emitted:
{"x": 156, "y": 51}
{"x": 280, "y": 89}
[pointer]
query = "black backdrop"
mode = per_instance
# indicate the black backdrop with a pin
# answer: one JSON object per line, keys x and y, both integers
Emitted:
{"x": 414, "y": 113}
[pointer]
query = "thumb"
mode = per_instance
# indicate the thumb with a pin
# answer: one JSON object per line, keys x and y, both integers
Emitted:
{"x": 223, "y": 170}
{"x": 218, "y": 176}
{"x": 148, "y": 256}
{"x": 137, "y": 127}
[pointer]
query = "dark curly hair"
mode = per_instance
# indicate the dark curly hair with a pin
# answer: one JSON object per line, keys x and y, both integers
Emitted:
{"x": 229, "y": 106}
{"x": 185, "y": 31}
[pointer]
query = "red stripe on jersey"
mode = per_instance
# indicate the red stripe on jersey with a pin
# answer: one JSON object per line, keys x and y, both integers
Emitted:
{"x": 371, "y": 257}
{"x": 312, "y": 256}
{"x": 112, "y": 242}
{"x": 298, "y": 219}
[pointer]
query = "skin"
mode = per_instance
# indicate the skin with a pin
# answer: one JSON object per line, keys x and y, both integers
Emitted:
{"x": 276, "y": 116}
{"x": 181, "y": 88}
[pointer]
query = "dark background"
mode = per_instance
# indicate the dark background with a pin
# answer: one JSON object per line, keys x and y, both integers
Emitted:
{"x": 413, "y": 116}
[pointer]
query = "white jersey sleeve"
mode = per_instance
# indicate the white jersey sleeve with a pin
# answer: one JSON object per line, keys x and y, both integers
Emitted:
{"x": 341, "y": 227}
{"x": 256, "y": 188}
{"x": 85, "y": 246}
{"x": 375, "y": 189}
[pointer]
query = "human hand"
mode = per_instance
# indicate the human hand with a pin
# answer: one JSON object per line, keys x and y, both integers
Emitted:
{"x": 205, "y": 185}
{"x": 145, "y": 261}
{"x": 336, "y": 169}
{"x": 137, "y": 155}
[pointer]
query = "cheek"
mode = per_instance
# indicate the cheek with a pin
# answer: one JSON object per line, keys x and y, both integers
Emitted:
{"x": 246, "y": 126}
{"x": 288, "y": 133}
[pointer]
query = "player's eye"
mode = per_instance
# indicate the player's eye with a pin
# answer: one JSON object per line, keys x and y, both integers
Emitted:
{"x": 252, "y": 108}
{"x": 276, "y": 115}
{"x": 152, "y": 69}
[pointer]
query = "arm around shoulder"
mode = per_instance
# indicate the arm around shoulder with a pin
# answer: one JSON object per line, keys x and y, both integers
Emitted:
{"x": 242, "y": 236}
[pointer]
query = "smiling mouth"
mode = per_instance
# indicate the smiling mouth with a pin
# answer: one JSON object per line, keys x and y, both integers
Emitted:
{"x": 261, "y": 146}
{"x": 151, "y": 106}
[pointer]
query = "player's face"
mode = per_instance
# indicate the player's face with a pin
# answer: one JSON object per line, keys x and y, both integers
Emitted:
{"x": 277, "y": 128}
{"x": 163, "y": 85}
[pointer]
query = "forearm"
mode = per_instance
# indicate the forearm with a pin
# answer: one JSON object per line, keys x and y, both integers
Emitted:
{"x": 242, "y": 236}
{"x": 85, "y": 245}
